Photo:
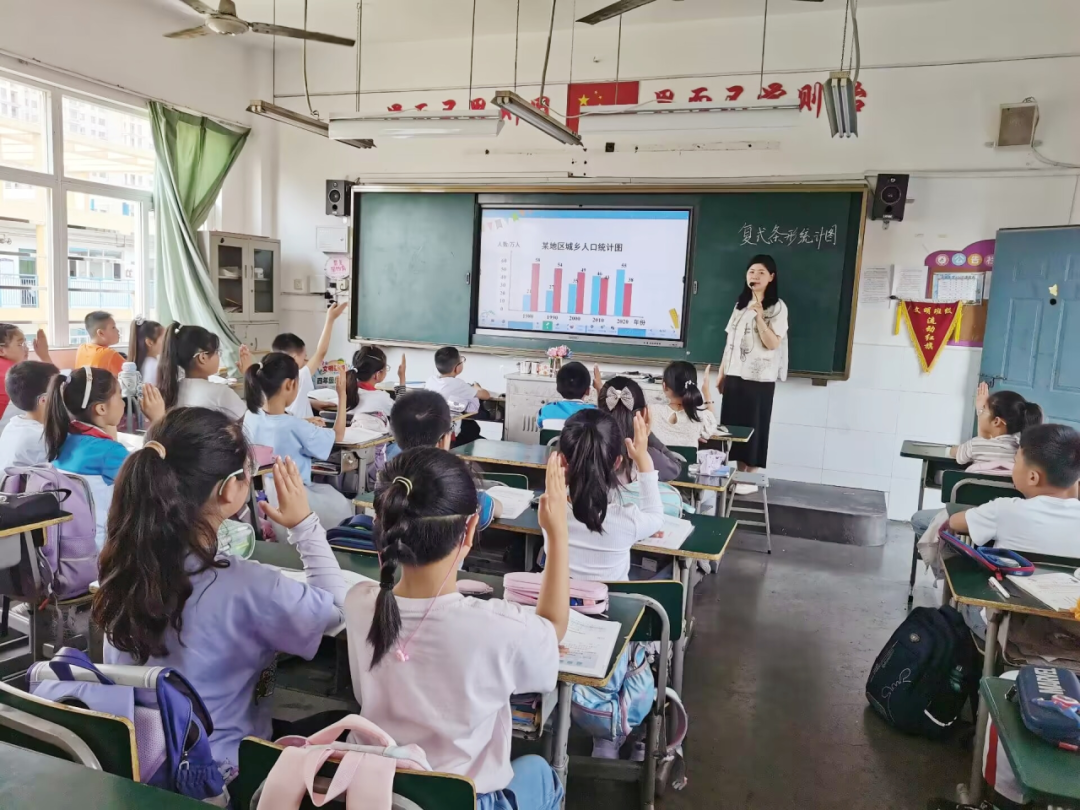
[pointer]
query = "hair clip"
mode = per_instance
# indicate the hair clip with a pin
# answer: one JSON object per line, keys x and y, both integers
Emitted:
{"x": 617, "y": 395}
{"x": 86, "y": 388}
{"x": 689, "y": 383}
{"x": 157, "y": 447}
{"x": 403, "y": 480}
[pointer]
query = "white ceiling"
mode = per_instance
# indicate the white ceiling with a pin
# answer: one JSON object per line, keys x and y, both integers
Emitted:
{"x": 402, "y": 20}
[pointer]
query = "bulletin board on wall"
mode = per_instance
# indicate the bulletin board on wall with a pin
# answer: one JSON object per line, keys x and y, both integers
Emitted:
{"x": 976, "y": 258}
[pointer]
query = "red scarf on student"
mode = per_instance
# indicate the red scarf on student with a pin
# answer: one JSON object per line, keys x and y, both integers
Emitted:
{"x": 366, "y": 386}
{"x": 83, "y": 429}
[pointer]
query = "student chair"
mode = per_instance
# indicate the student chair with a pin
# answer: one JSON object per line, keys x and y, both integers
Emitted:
{"x": 513, "y": 480}
{"x": 547, "y": 436}
{"x": 431, "y": 791}
{"x": 748, "y": 506}
{"x": 975, "y": 489}
{"x": 30, "y": 732}
{"x": 110, "y": 739}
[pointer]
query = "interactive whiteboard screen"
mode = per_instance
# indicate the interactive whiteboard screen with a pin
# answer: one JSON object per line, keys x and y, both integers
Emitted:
{"x": 585, "y": 274}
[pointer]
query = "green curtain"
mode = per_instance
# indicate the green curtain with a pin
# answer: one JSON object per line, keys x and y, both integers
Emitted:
{"x": 194, "y": 154}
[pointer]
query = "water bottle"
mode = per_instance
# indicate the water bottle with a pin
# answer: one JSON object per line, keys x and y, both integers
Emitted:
{"x": 236, "y": 539}
{"x": 130, "y": 381}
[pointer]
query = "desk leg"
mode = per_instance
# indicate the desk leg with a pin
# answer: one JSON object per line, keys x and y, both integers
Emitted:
{"x": 915, "y": 541}
{"x": 253, "y": 505}
{"x": 679, "y": 656}
{"x": 37, "y": 626}
{"x": 973, "y": 793}
{"x": 561, "y": 732}
{"x": 722, "y": 510}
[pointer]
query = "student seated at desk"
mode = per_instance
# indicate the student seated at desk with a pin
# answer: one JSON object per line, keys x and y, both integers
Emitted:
{"x": 146, "y": 342}
{"x": 573, "y": 383}
{"x": 459, "y": 394}
{"x": 167, "y": 598}
{"x": 624, "y": 399}
{"x": 13, "y": 350}
{"x": 686, "y": 418}
{"x": 422, "y": 419}
{"x": 271, "y": 387}
{"x": 369, "y": 370}
{"x": 23, "y": 441}
{"x": 603, "y": 527}
{"x": 190, "y": 356}
{"x": 81, "y": 419}
{"x": 434, "y": 668}
{"x": 294, "y": 346}
{"x": 97, "y": 352}
{"x": 1002, "y": 416}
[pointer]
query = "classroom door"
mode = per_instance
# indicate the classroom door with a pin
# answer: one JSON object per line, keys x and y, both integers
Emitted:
{"x": 1032, "y": 343}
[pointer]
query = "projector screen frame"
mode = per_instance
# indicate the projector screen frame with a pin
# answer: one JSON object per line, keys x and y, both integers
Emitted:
{"x": 688, "y": 283}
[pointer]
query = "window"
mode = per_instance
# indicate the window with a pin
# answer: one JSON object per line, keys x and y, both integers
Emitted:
{"x": 23, "y": 126}
{"x": 112, "y": 147}
{"x": 102, "y": 187}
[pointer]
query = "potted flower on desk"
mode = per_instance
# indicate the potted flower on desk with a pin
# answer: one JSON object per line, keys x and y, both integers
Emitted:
{"x": 556, "y": 355}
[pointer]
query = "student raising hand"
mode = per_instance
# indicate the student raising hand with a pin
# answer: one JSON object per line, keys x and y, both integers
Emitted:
{"x": 153, "y": 405}
{"x": 341, "y": 421}
{"x": 41, "y": 347}
{"x": 553, "y": 603}
{"x": 638, "y": 447}
{"x": 401, "y": 370}
{"x": 982, "y": 393}
{"x": 292, "y": 498}
{"x": 245, "y": 358}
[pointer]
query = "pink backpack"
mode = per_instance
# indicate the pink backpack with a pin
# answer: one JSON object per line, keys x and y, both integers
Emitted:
{"x": 585, "y": 597}
{"x": 364, "y": 776}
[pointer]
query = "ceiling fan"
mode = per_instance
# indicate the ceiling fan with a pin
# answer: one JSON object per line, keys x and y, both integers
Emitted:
{"x": 224, "y": 21}
{"x": 621, "y": 7}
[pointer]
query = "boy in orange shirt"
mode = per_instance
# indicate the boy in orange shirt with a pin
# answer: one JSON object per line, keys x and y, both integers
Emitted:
{"x": 101, "y": 327}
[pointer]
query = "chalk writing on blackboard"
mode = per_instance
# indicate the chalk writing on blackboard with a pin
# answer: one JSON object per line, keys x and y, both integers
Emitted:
{"x": 816, "y": 238}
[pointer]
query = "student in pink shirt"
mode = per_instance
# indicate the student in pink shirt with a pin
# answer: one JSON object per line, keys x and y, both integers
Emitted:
{"x": 437, "y": 669}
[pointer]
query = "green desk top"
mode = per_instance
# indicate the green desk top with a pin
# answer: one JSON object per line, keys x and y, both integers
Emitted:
{"x": 33, "y": 781}
{"x": 734, "y": 434}
{"x": 625, "y": 611}
{"x": 970, "y": 584}
{"x": 1047, "y": 772}
{"x": 707, "y": 542}
{"x": 687, "y": 481}
{"x": 513, "y": 454}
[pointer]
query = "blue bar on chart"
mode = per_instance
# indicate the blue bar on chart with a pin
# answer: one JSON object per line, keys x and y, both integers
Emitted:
{"x": 595, "y": 308}
{"x": 571, "y": 299}
{"x": 525, "y": 304}
{"x": 520, "y": 325}
{"x": 620, "y": 276}
{"x": 549, "y": 301}
{"x": 632, "y": 333}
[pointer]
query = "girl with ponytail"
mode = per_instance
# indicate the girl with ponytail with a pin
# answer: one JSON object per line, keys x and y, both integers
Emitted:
{"x": 604, "y": 526}
{"x": 168, "y": 598}
{"x": 369, "y": 370}
{"x": 437, "y": 668}
{"x": 687, "y": 417}
{"x": 271, "y": 387}
{"x": 144, "y": 348}
{"x": 189, "y": 357}
{"x": 82, "y": 414}
{"x": 1002, "y": 417}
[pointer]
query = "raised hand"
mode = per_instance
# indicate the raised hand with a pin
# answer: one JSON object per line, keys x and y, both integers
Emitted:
{"x": 245, "y": 358}
{"x": 292, "y": 497}
{"x": 401, "y": 370}
{"x": 153, "y": 406}
{"x": 638, "y": 447}
{"x": 41, "y": 347}
{"x": 334, "y": 311}
{"x": 552, "y": 511}
{"x": 982, "y": 393}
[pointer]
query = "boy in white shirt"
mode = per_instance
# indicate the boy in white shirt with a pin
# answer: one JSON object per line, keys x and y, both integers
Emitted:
{"x": 1047, "y": 519}
{"x": 459, "y": 395}
{"x": 23, "y": 441}
{"x": 292, "y": 345}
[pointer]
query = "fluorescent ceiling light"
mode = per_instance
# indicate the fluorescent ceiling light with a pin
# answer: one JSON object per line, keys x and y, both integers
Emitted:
{"x": 312, "y": 125}
{"x": 614, "y": 10}
{"x": 515, "y": 105}
{"x": 634, "y": 118}
{"x": 471, "y": 124}
{"x": 840, "y": 104}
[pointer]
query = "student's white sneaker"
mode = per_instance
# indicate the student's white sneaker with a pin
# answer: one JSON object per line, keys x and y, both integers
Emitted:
{"x": 745, "y": 489}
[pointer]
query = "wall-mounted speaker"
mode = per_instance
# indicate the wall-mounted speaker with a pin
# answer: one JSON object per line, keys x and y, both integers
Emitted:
{"x": 339, "y": 198}
{"x": 890, "y": 197}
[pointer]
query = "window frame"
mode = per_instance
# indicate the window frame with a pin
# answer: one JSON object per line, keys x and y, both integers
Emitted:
{"x": 59, "y": 186}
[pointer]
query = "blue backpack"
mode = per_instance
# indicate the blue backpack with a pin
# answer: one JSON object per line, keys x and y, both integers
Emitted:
{"x": 611, "y": 712}
{"x": 172, "y": 725}
{"x": 1049, "y": 700}
{"x": 357, "y": 533}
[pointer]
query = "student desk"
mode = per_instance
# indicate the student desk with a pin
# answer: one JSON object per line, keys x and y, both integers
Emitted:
{"x": 935, "y": 458}
{"x": 734, "y": 435}
{"x": 363, "y": 453}
{"x": 1048, "y": 775}
{"x": 33, "y": 781}
{"x": 970, "y": 585}
{"x": 628, "y": 612}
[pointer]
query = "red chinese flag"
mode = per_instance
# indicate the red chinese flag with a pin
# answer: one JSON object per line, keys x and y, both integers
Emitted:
{"x": 930, "y": 326}
{"x": 580, "y": 97}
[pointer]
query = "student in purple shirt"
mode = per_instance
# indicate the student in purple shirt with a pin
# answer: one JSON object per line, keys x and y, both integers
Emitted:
{"x": 167, "y": 598}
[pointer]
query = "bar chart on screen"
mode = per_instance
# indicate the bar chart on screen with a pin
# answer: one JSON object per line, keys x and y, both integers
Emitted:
{"x": 611, "y": 273}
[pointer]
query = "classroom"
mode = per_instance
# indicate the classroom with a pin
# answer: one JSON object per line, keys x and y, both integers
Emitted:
{"x": 536, "y": 404}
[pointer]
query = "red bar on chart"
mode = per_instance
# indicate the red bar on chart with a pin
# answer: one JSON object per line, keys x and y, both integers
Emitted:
{"x": 535, "y": 294}
{"x": 558, "y": 291}
{"x": 603, "y": 295}
{"x": 627, "y": 290}
{"x": 580, "y": 306}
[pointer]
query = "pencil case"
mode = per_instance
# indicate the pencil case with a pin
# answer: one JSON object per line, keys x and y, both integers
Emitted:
{"x": 998, "y": 561}
{"x": 585, "y": 597}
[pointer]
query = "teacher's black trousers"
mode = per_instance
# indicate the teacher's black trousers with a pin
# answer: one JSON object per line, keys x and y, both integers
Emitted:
{"x": 748, "y": 404}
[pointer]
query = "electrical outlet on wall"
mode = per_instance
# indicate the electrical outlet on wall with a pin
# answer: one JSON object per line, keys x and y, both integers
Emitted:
{"x": 298, "y": 284}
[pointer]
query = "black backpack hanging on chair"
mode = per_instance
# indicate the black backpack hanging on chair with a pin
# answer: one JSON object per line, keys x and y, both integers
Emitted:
{"x": 926, "y": 673}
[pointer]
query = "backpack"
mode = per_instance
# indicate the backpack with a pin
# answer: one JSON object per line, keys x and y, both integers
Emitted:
{"x": 611, "y": 712}
{"x": 357, "y": 534}
{"x": 67, "y": 563}
{"x": 1049, "y": 699}
{"x": 365, "y": 773}
{"x": 172, "y": 725}
{"x": 926, "y": 673}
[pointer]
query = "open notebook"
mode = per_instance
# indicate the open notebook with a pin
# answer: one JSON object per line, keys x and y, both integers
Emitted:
{"x": 1056, "y": 591}
{"x": 351, "y": 579}
{"x": 586, "y": 648}
{"x": 359, "y": 435}
{"x": 675, "y": 532}
{"x": 514, "y": 501}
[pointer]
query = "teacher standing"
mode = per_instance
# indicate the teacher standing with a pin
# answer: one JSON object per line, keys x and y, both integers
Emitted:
{"x": 755, "y": 357}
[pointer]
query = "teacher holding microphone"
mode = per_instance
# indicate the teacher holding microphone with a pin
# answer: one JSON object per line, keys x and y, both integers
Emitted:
{"x": 755, "y": 357}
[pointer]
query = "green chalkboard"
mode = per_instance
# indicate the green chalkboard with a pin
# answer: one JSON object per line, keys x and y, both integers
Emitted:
{"x": 814, "y": 235}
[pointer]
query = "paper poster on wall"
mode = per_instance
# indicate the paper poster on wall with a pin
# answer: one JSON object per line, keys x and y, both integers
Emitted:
{"x": 875, "y": 286}
{"x": 909, "y": 283}
{"x": 958, "y": 287}
{"x": 958, "y": 271}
